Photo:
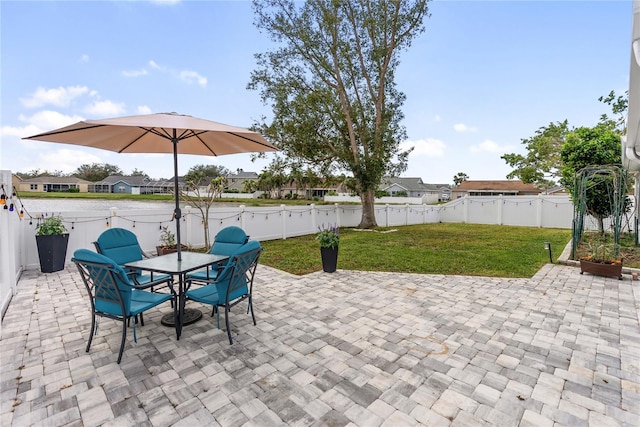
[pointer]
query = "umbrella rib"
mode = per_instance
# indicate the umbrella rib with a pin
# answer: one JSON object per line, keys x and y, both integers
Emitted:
{"x": 138, "y": 138}
{"x": 197, "y": 135}
{"x": 62, "y": 131}
{"x": 249, "y": 139}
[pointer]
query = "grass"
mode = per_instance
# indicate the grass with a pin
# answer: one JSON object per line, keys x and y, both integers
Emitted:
{"x": 451, "y": 249}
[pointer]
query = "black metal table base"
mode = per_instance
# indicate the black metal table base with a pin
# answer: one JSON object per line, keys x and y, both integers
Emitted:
{"x": 191, "y": 315}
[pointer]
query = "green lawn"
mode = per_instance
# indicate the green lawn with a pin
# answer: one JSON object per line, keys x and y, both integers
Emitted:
{"x": 462, "y": 249}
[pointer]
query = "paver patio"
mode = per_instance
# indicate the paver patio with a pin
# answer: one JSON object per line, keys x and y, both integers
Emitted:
{"x": 348, "y": 348}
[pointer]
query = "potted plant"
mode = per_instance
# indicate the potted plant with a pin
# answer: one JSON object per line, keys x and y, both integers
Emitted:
{"x": 168, "y": 240}
{"x": 329, "y": 239}
{"x": 52, "y": 240}
{"x": 602, "y": 260}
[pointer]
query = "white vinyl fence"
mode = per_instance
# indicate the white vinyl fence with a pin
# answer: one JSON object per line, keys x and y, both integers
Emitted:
{"x": 18, "y": 250}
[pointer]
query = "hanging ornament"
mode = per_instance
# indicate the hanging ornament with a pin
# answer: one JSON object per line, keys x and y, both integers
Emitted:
{"x": 11, "y": 207}
{"x": 21, "y": 213}
{"x": 3, "y": 199}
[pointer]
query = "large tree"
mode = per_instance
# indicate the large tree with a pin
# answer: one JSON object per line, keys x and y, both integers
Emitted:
{"x": 542, "y": 164}
{"x": 95, "y": 172}
{"x": 331, "y": 84}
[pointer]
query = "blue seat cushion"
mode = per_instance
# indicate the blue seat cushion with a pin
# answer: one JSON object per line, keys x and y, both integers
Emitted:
{"x": 206, "y": 294}
{"x": 142, "y": 300}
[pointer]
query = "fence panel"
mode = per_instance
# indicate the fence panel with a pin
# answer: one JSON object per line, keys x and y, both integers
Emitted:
{"x": 520, "y": 211}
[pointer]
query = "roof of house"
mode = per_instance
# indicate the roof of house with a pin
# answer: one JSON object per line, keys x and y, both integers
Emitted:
{"x": 497, "y": 185}
{"x": 242, "y": 174}
{"x": 57, "y": 180}
{"x": 410, "y": 184}
{"x": 137, "y": 181}
{"x": 134, "y": 180}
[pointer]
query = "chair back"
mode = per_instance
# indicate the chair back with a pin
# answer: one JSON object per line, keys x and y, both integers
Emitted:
{"x": 106, "y": 282}
{"x": 229, "y": 240}
{"x": 120, "y": 245}
{"x": 236, "y": 279}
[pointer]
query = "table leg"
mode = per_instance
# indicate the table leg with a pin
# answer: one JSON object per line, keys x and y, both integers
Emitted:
{"x": 180, "y": 304}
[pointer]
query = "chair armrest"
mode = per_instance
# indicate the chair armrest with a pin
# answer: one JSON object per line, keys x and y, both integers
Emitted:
{"x": 138, "y": 285}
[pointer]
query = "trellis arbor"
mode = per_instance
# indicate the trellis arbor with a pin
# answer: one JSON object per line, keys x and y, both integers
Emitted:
{"x": 601, "y": 192}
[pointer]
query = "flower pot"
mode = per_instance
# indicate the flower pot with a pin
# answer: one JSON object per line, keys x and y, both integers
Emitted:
{"x": 163, "y": 250}
{"x": 329, "y": 259}
{"x": 601, "y": 269}
{"x": 52, "y": 251}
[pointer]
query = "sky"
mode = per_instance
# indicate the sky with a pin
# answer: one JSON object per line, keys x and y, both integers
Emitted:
{"x": 482, "y": 77}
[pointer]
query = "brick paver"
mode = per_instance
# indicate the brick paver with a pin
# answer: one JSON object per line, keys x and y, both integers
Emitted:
{"x": 348, "y": 348}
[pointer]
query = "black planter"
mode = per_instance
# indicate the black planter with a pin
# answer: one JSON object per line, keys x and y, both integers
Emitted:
{"x": 329, "y": 259}
{"x": 52, "y": 251}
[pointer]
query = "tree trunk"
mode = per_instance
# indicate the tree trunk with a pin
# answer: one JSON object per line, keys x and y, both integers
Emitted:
{"x": 368, "y": 219}
{"x": 600, "y": 225}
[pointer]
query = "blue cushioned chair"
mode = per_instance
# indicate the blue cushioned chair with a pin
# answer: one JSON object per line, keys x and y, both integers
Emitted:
{"x": 232, "y": 285}
{"x": 122, "y": 246}
{"x": 227, "y": 241}
{"x": 112, "y": 293}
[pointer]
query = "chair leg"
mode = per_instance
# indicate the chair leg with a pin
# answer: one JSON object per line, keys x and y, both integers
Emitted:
{"x": 226, "y": 321}
{"x": 141, "y": 320}
{"x": 124, "y": 337}
{"x": 93, "y": 328}
{"x": 251, "y": 308}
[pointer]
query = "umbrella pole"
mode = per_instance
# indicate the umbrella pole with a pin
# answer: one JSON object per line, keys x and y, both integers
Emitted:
{"x": 176, "y": 212}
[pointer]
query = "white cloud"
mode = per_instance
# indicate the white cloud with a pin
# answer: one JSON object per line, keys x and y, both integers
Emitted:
{"x": 461, "y": 127}
{"x": 105, "y": 108}
{"x": 60, "y": 97}
{"x": 187, "y": 76}
{"x": 429, "y": 147}
{"x": 38, "y": 123}
{"x": 143, "y": 109}
{"x": 192, "y": 76}
{"x": 488, "y": 146}
{"x": 65, "y": 160}
{"x": 438, "y": 118}
{"x": 135, "y": 73}
{"x": 84, "y": 58}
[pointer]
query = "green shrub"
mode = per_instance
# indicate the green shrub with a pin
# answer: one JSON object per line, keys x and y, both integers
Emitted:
{"x": 51, "y": 226}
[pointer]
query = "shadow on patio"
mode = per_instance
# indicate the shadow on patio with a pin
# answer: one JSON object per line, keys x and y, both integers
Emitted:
{"x": 364, "y": 348}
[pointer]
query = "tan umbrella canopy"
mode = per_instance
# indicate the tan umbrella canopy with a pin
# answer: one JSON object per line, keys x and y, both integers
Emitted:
{"x": 160, "y": 133}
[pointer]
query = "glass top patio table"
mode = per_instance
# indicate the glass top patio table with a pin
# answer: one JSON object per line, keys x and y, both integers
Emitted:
{"x": 169, "y": 264}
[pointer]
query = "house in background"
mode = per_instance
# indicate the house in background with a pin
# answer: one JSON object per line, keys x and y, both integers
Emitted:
{"x": 494, "y": 188}
{"x": 133, "y": 185}
{"x": 45, "y": 184}
{"x": 235, "y": 181}
{"x": 414, "y": 187}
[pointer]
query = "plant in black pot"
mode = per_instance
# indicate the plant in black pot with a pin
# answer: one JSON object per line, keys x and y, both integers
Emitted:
{"x": 52, "y": 240}
{"x": 329, "y": 239}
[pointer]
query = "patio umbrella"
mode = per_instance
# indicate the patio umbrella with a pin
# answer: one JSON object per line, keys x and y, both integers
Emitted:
{"x": 160, "y": 133}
